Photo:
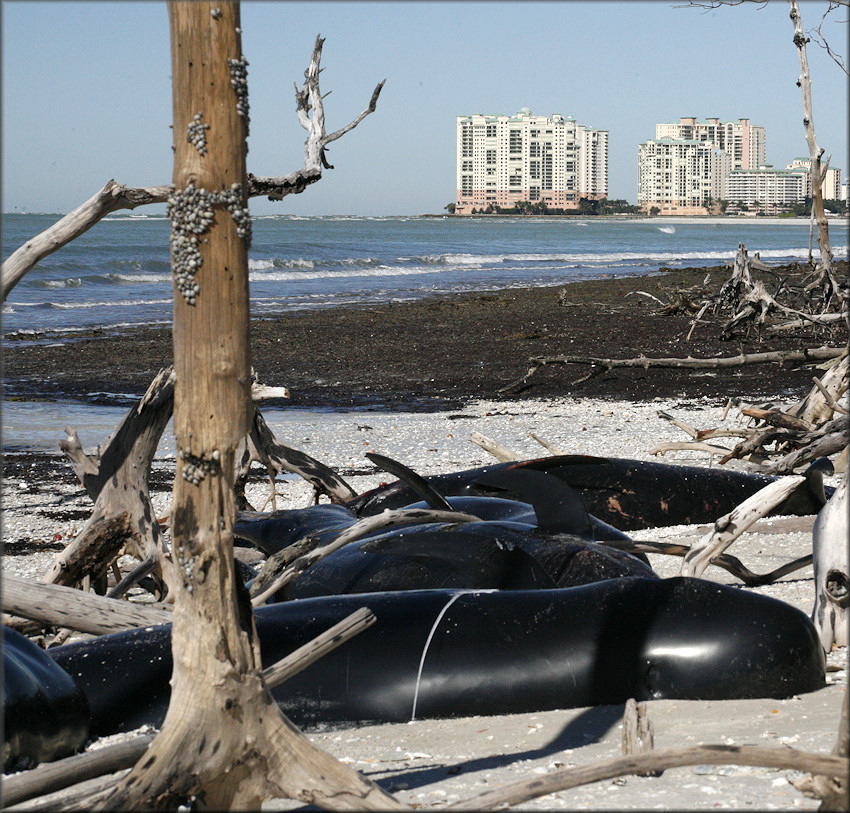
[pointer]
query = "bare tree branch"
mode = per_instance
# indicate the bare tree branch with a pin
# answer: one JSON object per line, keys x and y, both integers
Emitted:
{"x": 113, "y": 196}
{"x": 820, "y": 38}
{"x": 565, "y": 778}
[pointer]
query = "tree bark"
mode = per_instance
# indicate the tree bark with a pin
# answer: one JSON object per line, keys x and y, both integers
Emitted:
{"x": 117, "y": 482}
{"x": 223, "y": 741}
{"x": 65, "y": 607}
{"x": 815, "y": 153}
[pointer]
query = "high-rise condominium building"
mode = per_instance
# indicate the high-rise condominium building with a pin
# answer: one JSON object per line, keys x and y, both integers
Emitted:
{"x": 679, "y": 177}
{"x": 831, "y": 187}
{"x": 742, "y": 140}
{"x": 766, "y": 189}
{"x": 685, "y": 167}
{"x": 505, "y": 159}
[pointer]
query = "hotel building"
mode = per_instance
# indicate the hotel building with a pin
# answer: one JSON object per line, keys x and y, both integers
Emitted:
{"x": 502, "y": 160}
{"x": 678, "y": 177}
{"x": 685, "y": 167}
{"x": 766, "y": 190}
{"x": 742, "y": 140}
{"x": 831, "y": 189}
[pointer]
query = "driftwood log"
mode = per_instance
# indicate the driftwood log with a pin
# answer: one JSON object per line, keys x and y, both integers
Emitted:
{"x": 638, "y": 732}
{"x": 244, "y": 749}
{"x": 566, "y": 778}
{"x": 775, "y": 356}
{"x": 730, "y": 526}
{"x": 59, "y": 606}
{"x": 261, "y": 446}
{"x": 117, "y": 481}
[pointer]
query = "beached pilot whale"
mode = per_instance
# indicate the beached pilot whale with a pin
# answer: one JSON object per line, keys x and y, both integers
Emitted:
{"x": 544, "y": 543}
{"x": 444, "y": 653}
{"x": 626, "y": 494}
{"x": 45, "y": 713}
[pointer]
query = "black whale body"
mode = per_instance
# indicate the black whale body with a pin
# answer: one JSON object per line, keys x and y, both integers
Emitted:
{"x": 443, "y": 653}
{"x": 545, "y": 543}
{"x": 492, "y": 554}
{"x": 627, "y": 494}
{"x": 45, "y": 714}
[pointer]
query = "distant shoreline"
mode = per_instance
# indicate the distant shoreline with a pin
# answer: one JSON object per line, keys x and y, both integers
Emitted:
{"x": 736, "y": 219}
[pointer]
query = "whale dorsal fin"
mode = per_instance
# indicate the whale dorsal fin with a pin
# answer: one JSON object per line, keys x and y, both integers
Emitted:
{"x": 418, "y": 483}
{"x": 558, "y": 507}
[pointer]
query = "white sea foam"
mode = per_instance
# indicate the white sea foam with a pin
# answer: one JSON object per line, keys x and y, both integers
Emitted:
{"x": 73, "y": 282}
{"x": 282, "y": 275}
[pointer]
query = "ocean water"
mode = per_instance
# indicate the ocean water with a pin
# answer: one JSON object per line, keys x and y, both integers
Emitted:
{"x": 118, "y": 273}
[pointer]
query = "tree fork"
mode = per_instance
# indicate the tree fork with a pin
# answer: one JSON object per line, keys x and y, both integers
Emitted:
{"x": 223, "y": 741}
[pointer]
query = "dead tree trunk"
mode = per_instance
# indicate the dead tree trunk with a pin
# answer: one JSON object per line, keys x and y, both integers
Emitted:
{"x": 832, "y": 572}
{"x": 817, "y": 170}
{"x": 117, "y": 482}
{"x": 223, "y": 740}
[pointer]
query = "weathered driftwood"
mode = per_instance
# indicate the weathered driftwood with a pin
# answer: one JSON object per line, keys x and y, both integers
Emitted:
{"x": 566, "y": 778}
{"x": 730, "y": 526}
{"x": 494, "y": 448}
{"x": 755, "y": 307}
{"x": 739, "y": 284}
{"x": 830, "y": 535}
{"x": 248, "y": 750}
{"x": 818, "y": 405}
{"x": 554, "y": 450}
{"x": 688, "y": 446}
{"x": 775, "y": 417}
{"x": 828, "y": 439}
{"x": 753, "y": 444}
{"x": 52, "y": 776}
{"x": 361, "y": 528}
{"x": 638, "y": 733}
{"x": 323, "y": 643}
{"x": 263, "y": 447}
{"x": 774, "y": 356}
{"x": 809, "y": 319}
{"x": 117, "y": 481}
{"x": 278, "y": 562}
{"x": 818, "y": 172}
{"x": 726, "y": 561}
{"x": 60, "y": 606}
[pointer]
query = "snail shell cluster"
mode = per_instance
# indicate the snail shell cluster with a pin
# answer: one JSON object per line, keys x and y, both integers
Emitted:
{"x": 190, "y": 211}
{"x": 196, "y": 134}
{"x": 239, "y": 83}
{"x": 197, "y": 467}
{"x": 232, "y": 199}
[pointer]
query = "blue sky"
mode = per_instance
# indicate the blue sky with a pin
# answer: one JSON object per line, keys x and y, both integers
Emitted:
{"x": 87, "y": 95}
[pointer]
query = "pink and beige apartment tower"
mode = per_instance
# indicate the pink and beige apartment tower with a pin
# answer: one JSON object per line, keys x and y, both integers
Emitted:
{"x": 502, "y": 160}
{"x": 683, "y": 170}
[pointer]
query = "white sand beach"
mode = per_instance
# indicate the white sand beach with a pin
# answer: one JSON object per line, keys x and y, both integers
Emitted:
{"x": 433, "y": 763}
